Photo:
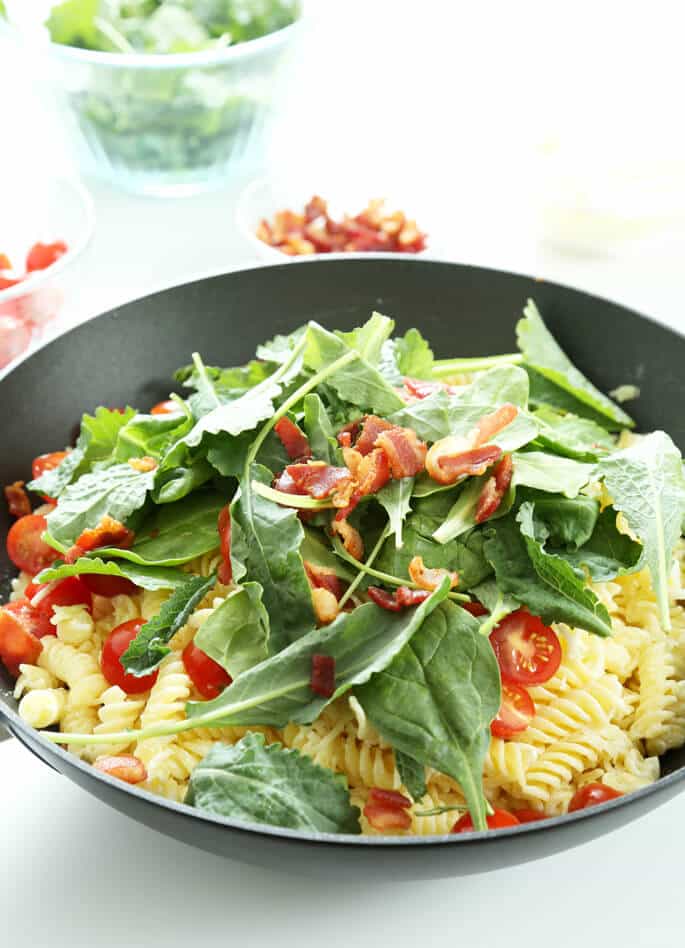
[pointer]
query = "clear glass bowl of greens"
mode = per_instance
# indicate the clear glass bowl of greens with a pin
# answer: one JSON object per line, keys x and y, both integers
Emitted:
{"x": 170, "y": 97}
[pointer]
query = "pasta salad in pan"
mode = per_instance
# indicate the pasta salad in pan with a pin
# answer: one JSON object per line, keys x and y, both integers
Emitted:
{"x": 352, "y": 588}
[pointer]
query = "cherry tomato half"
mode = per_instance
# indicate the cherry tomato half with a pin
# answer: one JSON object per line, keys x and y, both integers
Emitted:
{"x": 115, "y": 645}
{"x": 71, "y": 591}
{"x": 46, "y": 462}
{"x": 5, "y": 262}
{"x": 529, "y": 816}
{"x": 591, "y": 795}
{"x": 109, "y": 585}
{"x": 25, "y": 547}
{"x": 41, "y": 256}
{"x": 515, "y": 713}
{"x": 527, "y": 650}
{"x": 169, "y": 407}
{"x": 498, "y": 820}
{"x": 19, "y": 643}
{"x": 208, "y": 676}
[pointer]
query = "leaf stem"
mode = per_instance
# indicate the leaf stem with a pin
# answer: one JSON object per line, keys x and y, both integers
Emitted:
{"x": 301, "y": 501}
{"x": 385, "y": 533}
{"x": 444, "y": 368}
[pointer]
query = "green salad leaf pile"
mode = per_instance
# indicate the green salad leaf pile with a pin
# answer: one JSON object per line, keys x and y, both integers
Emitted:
{"x": 578, "y": 507}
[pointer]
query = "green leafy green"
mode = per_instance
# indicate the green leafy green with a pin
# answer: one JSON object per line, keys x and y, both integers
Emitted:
{"x": 319, "y": 430}
{"x": 214, "y": 385}
{"x": 236, "y": 635}
{"x": 571, "y": 436}
{"x": 152, "y": 435}
{"x": 569, "y": 523}
{"x": 647, "y": 485}
{"x": 280, "y": 348}
{"x": 314, "y": 550}
{"x": 461, "y": 517}
{"x": 607, "y": 553}
{"x": 412, "y": 774}
{"x": 147, "y": 577}
{"x": 544, "y": 356}
{"x": 118, "y": 491}
{"x": 272, "y": 538}
{"x": 547, "y": 472}
{"x": 368, "y": 340}
{"x": 227, "y": 455}
{"x": 436, "y": 699}
{"x": 408, "y": 355}
{"x": 464, "y": 556}
{"x": 74, "y": 23}
{"x": 395, "y": 499}
{"x": 149, "y": 647}
{"x": 177, "y": 482}
{"x": 268, "y": 784}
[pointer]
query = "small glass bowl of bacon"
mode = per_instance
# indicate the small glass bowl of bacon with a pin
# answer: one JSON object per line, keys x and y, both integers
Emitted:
{"x": 282, "y": 222}
{"x": 44, "y": 226}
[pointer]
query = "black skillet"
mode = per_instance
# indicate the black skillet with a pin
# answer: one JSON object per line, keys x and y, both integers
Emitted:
{"x": 129, "y": 354}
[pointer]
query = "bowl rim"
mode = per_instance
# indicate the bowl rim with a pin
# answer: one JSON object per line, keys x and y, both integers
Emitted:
{"x": 139, "y": 60}
{"x": 36, "y": 278}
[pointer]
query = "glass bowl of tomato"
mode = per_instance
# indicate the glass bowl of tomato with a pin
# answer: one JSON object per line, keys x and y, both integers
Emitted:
{"x": 45, "y": 226}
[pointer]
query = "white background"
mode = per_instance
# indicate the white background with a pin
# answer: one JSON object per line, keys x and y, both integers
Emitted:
{"x": 484, "y": 122}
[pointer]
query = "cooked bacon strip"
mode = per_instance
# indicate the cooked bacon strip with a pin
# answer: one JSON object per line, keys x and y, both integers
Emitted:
{"x": 144, "y": 464}
{"x": 109, "y": 532}
{"x": 322, "y": 681}
{"x": 494, "y": 489}
{"x": 17, "y": 499}
{"x": 387, "y": 818}
{"x": 430, "y": 578}
{"x": 446, "y": 467}
{"x": 351, "y": 538}
{"x": 325, "y": 606}
{"x": 293, "y": 439}
{"x": 491, "y": 425}
{"x": 348, "y": 434}
{"x": 371, "y": 428}
{"x": 124, "y": 767}
{"x": 320, "y": 480}
{"x": 475, "y": 608}
{"x": 419, "y": 388}
{"x": 402, "y": 598}
{"x": 410, "y": 597}
{"x": 406, "y": 453}
{"x": 392, "y": 799}
{"x": 371, "y": 473}
{"x": 321, "y": 578}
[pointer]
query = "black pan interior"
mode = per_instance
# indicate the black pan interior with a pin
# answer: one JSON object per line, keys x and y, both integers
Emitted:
{"x": 130, "y": 353}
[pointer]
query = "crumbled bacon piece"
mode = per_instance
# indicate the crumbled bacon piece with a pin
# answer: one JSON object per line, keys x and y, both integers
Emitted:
{"x": 293, "y": 439}
{"x": 321, "y": 578}
{"x": 108, "y": 532}
{"x": 420, "y": 388}
{"x": 325, "y": 605}
{"x": 491, "y": 425}
{"x": 372, "y": 426}
{"x": 17, "y": 499}
{"x": 387, "y": 818}
{"x": 410, "y": 597}
{"x": 427, "y": 578}
{"x": 406, "y": 453}
{"x": 224, "y": 572}
{"x": 124, "y": 767}
{"x": 144, "y": 464}
{"x": 392, "y": 799}
{"x": 348, "y": 434}
{"x": 351, "y": 538}
{"x": 474, "y": 608}
{"x": 446, "y": 466}
{"x": 322, "y": 680}
{"x": 318, "y": 480}
{"x": 402, "y": 598}
{"x": 494, "y": 489}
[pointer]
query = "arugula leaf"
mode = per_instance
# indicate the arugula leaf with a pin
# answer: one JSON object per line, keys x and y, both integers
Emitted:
{"x": 272, "y": 538}
{"x": 395, "y": 499}
{"x": 461, "y": 517}
{"x": 214, "y": 385}
{"x": 545, "y": 357}
{"x": 278, "y": 690}
{"x": 147, "y": 577}
{"x": 464, "y": 556}
{"x": 227, "y": 455}
{"x": 545, "y": 583}
{"x": 314, "y": 550}
{"x": 248, "y": 781}
{"x": 568, "y": 523}
{"x": 149, "y": 647}
{"x": 550, "y": 473}
{"x": 368, "y": 340}
{"x": 412, "y": 774}
{"x": 236, "y": 635}
{"x": 357, "y": 382}
{"x": 607, "y": 553}
{"x": 429, "y": 417}
{"x": 176, "y": 483}
{"x": 96, "y": 442}
{"x": 152, "y": 435}
{"x": 436, "y": 700}
{"x": 319, "y": 430}
{"x": 175, "y": 533}
{"x": 118, "y": 491}
{"x": 646, "y": 483}
{"x": 280, "y": 348}
{"x": 408, "y": 355}
{"x": 574, "y": 437}
{"x": 241, "y": 414}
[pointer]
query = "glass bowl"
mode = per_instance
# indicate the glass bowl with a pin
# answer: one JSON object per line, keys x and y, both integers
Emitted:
{"x": 39, "y": 208}
{"x": 171, "y": 124}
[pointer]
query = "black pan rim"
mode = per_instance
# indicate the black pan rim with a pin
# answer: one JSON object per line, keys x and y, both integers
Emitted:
{"x": 27, "y": 735}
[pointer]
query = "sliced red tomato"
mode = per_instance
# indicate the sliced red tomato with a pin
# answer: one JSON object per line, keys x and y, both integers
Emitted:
{"x": 515, "y": 713}
{"x": 25, "y": 547}
{"x": 109, "y": 585}
{"x": 529, "y": 816}
{"x": 527, "y": 650}
{"x": 165, "y": 408}
{"x": 7, "y": 282}
{"x": 225, "y": 571}
{"x": 46, "y": 462}
{"x": 19, "y": 643}
{"x": 499, "y": 819}
{"x": 115, "y": 645}
{"x": 208, "y": 676}
{"x": 592, "y": 794}
{"x": 71, "y": 591}
{"x": 5, "y": 262}
{"x": 41, "y": 256}
{"x": 392, "y": 799}
{"x": 387, "y": 817}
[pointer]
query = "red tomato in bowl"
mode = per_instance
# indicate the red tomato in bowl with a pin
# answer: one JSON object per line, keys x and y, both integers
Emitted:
{"x": 25, "y": 546}
{"x": 515, "y": 714}
{"x": 592, "y": 794}
{"x": 527, "y": 650}
{"x": 115, "y": 645}
{"x": 498, "y": 819}
{"x": 208, "y": 676}
{"x": 19, "y": 639}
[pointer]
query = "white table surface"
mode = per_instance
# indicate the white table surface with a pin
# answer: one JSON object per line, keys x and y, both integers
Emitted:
{"x": 77, "y": 873}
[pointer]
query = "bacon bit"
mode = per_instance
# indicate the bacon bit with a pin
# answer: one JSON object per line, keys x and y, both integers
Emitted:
{"x": 492, "y": 424}
{"x": 373, "y": 472}
{"x": 349, "y": 433}
{"x": 318, "y": 480}
{"x": 351, "y": 538}
{"x": 293, "y": 439}
{"x": 475, "y": 608}
{"x": 406, "y": 453}
{"x": 402, "y": 598}
{"x": 109, "y": 532}
{"x": 446, "y": 467}
{"x": 410, "y": 597}
{"x": 322, "y": 681}
{"x": 391, "y": 799}
{"x": 17, "y": 499}
{"x": 494, "y": 489}
{"x": 345, "y": 439}
{"x": 372, "y": 426}
{"x": 325, "y": 605}
{"x": 430, "y": 578}
{"x": 352, "y": 459}
{"x": 387, "y": 818}
{"x": 418, "y": 388}
{"x": 124, "y": 767}
{"x": 321, "y": 578}
{"x": 143, "y": 464}
{"x": 225, "y": 571}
